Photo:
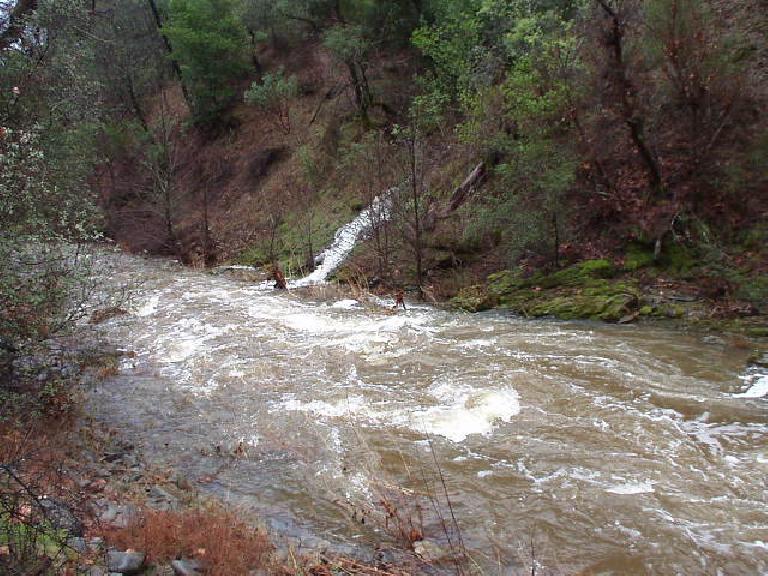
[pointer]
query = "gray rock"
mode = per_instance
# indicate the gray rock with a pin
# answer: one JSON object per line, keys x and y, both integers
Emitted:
{"x": 125, "y": 562}
{"x": 95, "y": 571}
{"x": 186, "y": 567}
{"x": 162, "y": 500}
{"x": 682, "y": 298}
{"x": 118, "y": 515}
{"x": 758, "y": 359}
{"x": 96, "y": 544}
{"x": 60, "y": 516}
{"x": 77, "y": 544}
{"x": 713, "y": 340}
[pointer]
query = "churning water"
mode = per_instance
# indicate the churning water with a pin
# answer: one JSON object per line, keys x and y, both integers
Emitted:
{"x": 618, "y": 450}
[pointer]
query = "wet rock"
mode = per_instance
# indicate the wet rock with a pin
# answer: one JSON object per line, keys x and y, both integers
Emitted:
{"x": 683, "y": 298}
{"x": 78, "y": 544}
{"x": 60, "y": 516}
{"x": 118, "y": 515}
{"x": 713, "y": 340}
{"x": 186, "y": 567}
{"x": 161, "y": 500}
{"x": 629, "y": 318}
{"x": 96, "y": 544}
{"x": 474, "y": 299}
{"x": 182, "y": 482}
{"x": 759, "y": 359}
{"x": 125, "y": 562}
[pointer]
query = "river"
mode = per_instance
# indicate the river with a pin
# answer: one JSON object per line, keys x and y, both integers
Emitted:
{"x": 615, "y": 449}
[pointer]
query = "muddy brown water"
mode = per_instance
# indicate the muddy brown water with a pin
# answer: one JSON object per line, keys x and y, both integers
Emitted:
{"x": 616, "y": 450}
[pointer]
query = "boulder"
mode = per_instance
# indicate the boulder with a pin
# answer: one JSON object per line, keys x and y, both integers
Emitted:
{"x": 127, "y": 563}
{"x": 185, "y": 567}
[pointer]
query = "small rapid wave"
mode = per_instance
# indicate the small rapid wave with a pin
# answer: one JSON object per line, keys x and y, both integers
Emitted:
{"x": 757, "y": 387}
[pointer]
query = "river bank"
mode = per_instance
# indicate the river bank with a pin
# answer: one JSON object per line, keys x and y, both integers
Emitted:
{"x": 79, "y": 498}
{"x": 599, "y": 290}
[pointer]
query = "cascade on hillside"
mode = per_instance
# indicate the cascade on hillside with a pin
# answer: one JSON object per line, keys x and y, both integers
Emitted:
{"x": 345, "y": 240}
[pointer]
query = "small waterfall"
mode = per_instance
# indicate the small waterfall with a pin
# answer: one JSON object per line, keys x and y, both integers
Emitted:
{"x": 345, "y": 240}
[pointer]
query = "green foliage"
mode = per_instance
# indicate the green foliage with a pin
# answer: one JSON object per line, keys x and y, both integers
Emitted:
{"x": 47, "y": 155}
{"x": 208, "y": 41}
{"x": 274, "y": 94}
{"x": 347, "y": 43}
{"x": 273, "y": 90}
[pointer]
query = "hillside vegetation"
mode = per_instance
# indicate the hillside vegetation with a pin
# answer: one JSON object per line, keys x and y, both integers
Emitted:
{"x": 520, "y": 135}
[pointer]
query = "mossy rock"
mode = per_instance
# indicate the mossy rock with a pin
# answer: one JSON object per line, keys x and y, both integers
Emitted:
{"x": 505, "y": 281}
{"x": 580, "y": 274}
{"x": 678, "y": 258}
{"x": 637, "y": 256}
{"x": 586, "y": 273}
{"x": 474, "y": 299}
{"x": 608, "y": 308}
{"x": 757, "y": 331}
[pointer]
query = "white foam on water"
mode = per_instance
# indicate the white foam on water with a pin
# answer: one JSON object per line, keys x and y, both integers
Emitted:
{"x": 345, "y": 304}
{"x": 478, "y": 343}
{"x": 149, "y": 307}
{"x": 758, "y": 387}
{"x": 351, "y": 406}
{"x": 629, "y": 488}
{"x": 464, "y": 411}
{"x": 179, "y": 350}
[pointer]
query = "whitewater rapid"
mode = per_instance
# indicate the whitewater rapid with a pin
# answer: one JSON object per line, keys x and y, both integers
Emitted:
{"x": 623, "y": 450}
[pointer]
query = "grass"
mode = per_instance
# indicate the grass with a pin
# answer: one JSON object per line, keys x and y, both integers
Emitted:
{"x": 216, "y": 537}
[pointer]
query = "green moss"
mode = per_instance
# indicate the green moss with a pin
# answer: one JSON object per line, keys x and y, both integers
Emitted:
{"x": 252, "y": 256}
{"x": 638, "y": 255}
{"x": 586, "y": 273}
{"x": 474, "y": 299}
{"x": 678, "y": 258}
{"x": 753, "y": 289}
{"x": 505, "y": 282}
{"x": 757, "y": 331}
{"x": 646, "y": 310}
{"x": 755, "y": 238}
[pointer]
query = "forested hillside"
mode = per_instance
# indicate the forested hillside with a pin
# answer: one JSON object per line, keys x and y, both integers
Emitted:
{"x": 522, "y": 135}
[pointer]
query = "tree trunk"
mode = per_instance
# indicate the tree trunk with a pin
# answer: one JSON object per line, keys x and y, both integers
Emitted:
{"x": 168, "y": 48}
{"x": 360, "y": 97}
{"x": 415, "y": 187}
{"x": 556, "y": 241}
{"x": 631, "y": 116}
